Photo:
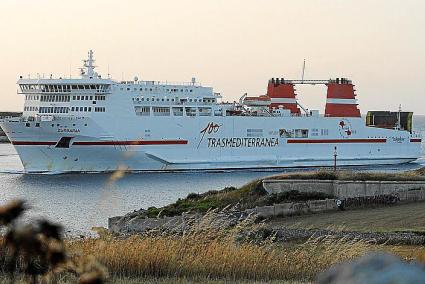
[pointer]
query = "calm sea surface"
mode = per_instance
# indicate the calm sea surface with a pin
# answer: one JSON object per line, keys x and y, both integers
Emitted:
{"x": 82, "y": 201}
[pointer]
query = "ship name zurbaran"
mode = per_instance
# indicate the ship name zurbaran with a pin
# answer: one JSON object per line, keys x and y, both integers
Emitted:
{"x": 235, "y": 142}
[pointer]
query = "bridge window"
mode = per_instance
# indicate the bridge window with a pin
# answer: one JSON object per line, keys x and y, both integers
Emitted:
{"x": 142, "y": 110}
{"x": 161, "y": 111}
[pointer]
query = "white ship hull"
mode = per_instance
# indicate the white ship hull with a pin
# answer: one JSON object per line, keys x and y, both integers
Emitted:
{"x": 176, "y": 144}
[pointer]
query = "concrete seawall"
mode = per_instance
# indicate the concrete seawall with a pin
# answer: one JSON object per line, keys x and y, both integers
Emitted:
{"x": 316, "y": 206}
{"x": 342, "y": 188}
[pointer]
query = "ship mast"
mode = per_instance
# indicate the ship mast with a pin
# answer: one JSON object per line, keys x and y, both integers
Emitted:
{"x": 87, "y": 71}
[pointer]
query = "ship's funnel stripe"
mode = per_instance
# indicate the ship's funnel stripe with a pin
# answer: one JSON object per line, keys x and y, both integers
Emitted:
{"x": 342, "y": 101}
{"x": 283, "y": 101}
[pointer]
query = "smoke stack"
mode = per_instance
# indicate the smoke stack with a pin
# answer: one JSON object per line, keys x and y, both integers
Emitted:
{"x": 341, "y": 100}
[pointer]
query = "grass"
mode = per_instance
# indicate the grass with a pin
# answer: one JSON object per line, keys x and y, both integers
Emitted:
{"x": 414, "y": 175}
{"x": 194, "y": 257}
{"x": 402, "y": 217}
{"x": 150, "y": 280}
{"x": 248, "y": 196}
{"x": 212, "y": 253}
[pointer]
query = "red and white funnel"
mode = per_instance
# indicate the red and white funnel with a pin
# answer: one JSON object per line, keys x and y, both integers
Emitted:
{"x": 341, "y": 100}
{"x": 282, "y": 93}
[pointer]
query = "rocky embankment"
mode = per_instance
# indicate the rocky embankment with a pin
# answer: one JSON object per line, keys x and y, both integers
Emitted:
{"x": 137, "y": 223}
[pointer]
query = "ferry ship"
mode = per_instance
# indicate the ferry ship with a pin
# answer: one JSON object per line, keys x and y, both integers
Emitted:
{"x": 95, "y": 124}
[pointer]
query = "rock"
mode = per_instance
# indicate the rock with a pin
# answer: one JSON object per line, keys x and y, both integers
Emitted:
{"x": 138, "y": 223}
{"x": 374, "y": 268}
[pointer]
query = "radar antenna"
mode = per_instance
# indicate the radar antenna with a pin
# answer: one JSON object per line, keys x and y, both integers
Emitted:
{"x": 87, "y": 71}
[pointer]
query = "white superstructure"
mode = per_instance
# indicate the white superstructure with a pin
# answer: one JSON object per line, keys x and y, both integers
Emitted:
{"x": 93, "y": 124}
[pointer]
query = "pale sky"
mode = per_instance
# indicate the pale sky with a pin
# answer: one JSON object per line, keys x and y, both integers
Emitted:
{"x": 234, "y": 46}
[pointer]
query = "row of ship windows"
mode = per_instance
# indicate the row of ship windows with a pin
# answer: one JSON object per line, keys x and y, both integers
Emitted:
{"x": 88, "y": 109}
{"x": 54, "y": 109}
{"x": 156, "y": 89}
{"x": 31, "y": 97}
{"x": 30, "y": 108}
{"x": 62, "y": 88}
{"x": 89, "y": 98}
{"x": 177, "y": 111}
{"x": 172, "y": 100}
{"x": 64, "y": 109}
{"x": 64, "y": 98}
{"x": 55, "y": 98}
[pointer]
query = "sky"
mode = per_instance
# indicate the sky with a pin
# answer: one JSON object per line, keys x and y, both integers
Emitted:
{"x": 235, "y": 46}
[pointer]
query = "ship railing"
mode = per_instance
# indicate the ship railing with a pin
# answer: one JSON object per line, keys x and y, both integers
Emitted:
{"x": 170, "y": 83}
{"x": 66, "y": 92}
{"x": 36, "y": 118}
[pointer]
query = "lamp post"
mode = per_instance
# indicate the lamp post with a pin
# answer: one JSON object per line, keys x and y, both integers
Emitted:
{"x": 335, "y": 155}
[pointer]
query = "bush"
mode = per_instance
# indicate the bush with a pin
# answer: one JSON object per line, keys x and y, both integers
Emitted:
{"x": 193, "y": 196}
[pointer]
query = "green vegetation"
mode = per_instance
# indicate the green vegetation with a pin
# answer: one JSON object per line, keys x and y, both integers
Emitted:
{"x": 248, "y": 196}
{"x": 414, "y": 175}
{"x": 212, "y": 199}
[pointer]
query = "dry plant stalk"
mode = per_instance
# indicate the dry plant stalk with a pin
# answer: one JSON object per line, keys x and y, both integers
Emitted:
{"x": 214, "y": 251}
{"x": 36, "y": 251}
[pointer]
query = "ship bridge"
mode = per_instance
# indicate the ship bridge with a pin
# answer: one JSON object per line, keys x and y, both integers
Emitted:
{"x": 65, "y": 96}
